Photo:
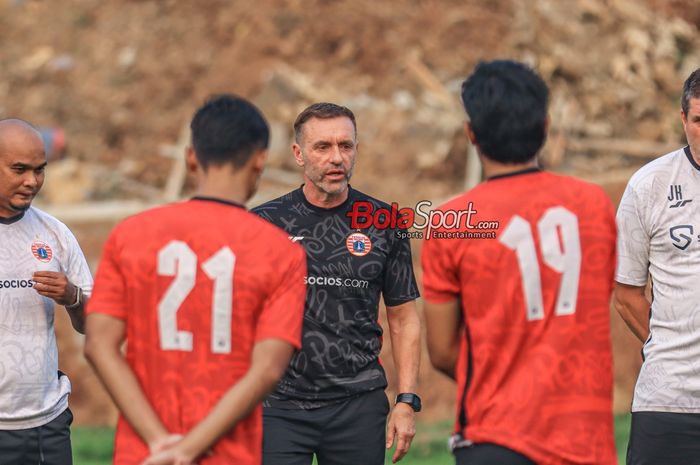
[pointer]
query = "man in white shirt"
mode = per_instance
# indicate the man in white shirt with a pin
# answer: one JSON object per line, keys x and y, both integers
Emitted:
{"x": 41, "y": 264}
{"x": 659, "y": 237}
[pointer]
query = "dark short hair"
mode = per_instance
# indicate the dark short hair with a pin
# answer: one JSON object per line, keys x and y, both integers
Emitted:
{"x": 321, "y": 110}
{"x": 506, "y": 102}
{"x": 691, "y": 89}
{"x": 228, "y": 129}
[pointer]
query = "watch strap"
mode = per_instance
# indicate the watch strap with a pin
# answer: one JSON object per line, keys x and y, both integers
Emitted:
{"x": 78, "y": 299}
{"x": 411, "y": 399}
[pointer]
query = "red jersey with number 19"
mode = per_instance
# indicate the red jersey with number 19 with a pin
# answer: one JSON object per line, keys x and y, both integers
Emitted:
{"x": 198, "y": 283}
{"x": 535, "y": 369}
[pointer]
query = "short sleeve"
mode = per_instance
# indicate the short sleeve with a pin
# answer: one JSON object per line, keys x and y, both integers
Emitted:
{"x": 283, "y": 311}
{"x": 633, "y": 241}
{"x": 399, "y": 284}
{"x": 109, "y": 296}
{"x": 76, "y": 267}
{"x": 440, "y": 277}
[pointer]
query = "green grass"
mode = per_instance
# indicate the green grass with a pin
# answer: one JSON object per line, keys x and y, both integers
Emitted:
{"x": 622, "y": 434}
{"x": 93, "y": 446}
{"x": 429, "y": 447}
{"x": 430, "y": 444}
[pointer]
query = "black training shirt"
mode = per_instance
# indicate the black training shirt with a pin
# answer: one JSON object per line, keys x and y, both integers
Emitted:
{"x": 348, "y": 269}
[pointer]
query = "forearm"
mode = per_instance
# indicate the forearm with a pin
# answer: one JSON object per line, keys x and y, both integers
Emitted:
{"x": 446, "y": 366}
{"x": 234, "y": 406}
{"x": 77, "y": 315}
{"x": 124, "y": 388}
{"x": 633, "y": 307}
{"x": 405, "y": 332}
{"x": 444, "y": 330}
{"x": 270, "y": 358}
{"x": 56, "y": 286}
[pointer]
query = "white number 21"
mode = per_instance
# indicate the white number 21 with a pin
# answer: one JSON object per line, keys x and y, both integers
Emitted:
{"x": 518, "y": 237}
{"x": 177, "y": 259}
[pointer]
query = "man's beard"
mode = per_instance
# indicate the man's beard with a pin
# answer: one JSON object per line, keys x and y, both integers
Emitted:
{"x": 21, "y": 209}
{"x": 348, "y": 175}
{"x": 335, "y": 188}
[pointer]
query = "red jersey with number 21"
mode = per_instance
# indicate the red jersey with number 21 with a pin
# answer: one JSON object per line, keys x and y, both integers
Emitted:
{"x": 535, "y": 370}
{"x": 198, "y": 283}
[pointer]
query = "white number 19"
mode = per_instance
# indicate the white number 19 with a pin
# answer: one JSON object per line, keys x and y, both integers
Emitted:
{"x": 177, "y": 259}
{"x": 558, "y": 229}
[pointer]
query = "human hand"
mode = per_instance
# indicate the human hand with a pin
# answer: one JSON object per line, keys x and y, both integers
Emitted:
{"x": 172, "y": 456}
{"x": 166, "y": 451}
{"x": 402, "y": 428}
{"x": 55, "y": 285}
{"x": 164, "y": 443}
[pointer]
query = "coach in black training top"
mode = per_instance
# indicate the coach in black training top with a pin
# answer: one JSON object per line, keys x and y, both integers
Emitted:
{"x": 331, "y": 400}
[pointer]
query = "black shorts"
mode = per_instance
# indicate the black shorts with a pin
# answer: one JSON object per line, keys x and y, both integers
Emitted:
{"x": 351, "y": 432}
{"x": 47, "y": 444}
{"x": 489, "y": 454}
{"x": 664, "y": 438}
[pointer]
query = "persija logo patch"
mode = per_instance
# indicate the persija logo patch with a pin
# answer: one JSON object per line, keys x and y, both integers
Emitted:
{"x": 42, "y": 251}
{"x": 358, "y": 244}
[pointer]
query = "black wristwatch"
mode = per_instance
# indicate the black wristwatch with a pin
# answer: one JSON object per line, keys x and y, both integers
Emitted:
{"x": 411, "y": 399}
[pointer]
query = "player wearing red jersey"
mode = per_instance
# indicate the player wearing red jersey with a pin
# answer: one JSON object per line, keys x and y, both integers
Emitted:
{"x": 520, "y": 317}
{"x": 210, "y": 299}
